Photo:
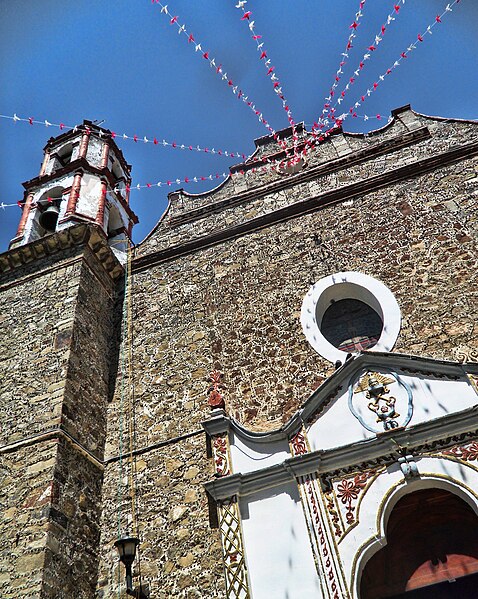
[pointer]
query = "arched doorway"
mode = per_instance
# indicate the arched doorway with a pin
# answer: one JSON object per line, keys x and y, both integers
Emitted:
{"x": 431, "y": 551}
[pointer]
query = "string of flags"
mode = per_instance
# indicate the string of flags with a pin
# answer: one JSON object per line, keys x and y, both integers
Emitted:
{"x": 218, "y": 67}
{"x": 135, "y": 138}
{"x": 265, "y": 164}
{"x": 343, "y": 62}
{"x": 270, "y": 69}
{"x": 338, "y": 120}
{"x": 356, "y": 74}
{"x": 403, "y": 56}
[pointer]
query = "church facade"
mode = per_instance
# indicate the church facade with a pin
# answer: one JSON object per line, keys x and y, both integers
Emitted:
{"x": 275, "y": 392}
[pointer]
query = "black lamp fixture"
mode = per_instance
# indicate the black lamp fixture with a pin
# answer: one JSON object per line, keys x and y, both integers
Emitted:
{"x": 126, "y": 547}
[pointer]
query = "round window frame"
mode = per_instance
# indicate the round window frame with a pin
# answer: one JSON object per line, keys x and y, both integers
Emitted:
{"x": 349, "y": 285}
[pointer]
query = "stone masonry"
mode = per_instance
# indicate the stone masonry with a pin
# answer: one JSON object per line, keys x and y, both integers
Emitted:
{"x": 217, "y": 285}
{"x": 58, "y": 299}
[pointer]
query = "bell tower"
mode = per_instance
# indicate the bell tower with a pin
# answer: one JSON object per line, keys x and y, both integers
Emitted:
{"x": 84, "y": 178}
{"x": 61, "y": 298}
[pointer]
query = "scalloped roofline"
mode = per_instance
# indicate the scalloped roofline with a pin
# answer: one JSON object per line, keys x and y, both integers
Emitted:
{"x": 287, "y": 132}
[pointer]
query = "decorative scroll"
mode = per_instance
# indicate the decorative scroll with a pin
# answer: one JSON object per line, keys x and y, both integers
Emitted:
{"x": 299, "y": 444}
{"x": 334, "y": 514}
{"x": 237, "y": 586}
{"x": 324, "y": 552}
{"x": 467, "y": 453}
{"x": 222, "y": 460}
{"x": 465, "y": 354}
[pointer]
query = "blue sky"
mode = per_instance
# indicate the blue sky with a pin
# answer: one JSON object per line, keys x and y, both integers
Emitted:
{"x": 123, "y": 62}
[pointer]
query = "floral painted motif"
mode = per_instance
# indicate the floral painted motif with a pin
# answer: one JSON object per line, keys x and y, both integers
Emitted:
{"x": 221, "y": 455}
{"x": 348, "y": 491}
{"x": 215, "y": 399}
{"x": 468, "y": 453}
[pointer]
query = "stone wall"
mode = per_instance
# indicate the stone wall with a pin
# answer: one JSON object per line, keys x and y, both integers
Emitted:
{"x": 26, "y": 477}
{"x": 57, "y": 357}
{"x": 235, "y": 307}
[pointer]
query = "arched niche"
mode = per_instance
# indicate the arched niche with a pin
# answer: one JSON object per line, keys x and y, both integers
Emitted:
{"x": 431, "y": 549}
{"x": 49, "y": 203}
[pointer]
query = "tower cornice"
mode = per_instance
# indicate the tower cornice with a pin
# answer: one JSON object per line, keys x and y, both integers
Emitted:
{"x": 82, "y": 234}
{"x": 99, "y": 131}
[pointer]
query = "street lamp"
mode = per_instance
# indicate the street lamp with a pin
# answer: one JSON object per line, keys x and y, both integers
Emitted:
{"x": 126, "y": 547}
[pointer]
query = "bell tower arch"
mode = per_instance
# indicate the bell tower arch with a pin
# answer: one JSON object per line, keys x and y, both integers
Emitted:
{"x": 84, "y": 178}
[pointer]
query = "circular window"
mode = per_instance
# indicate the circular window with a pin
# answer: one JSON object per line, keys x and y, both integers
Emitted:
{"x": 351, "y": 325}
{"x": 350, "y": 312}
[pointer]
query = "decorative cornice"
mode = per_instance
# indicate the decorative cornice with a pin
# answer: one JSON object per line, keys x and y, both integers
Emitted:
{"x": 385, "y": 448}
{"x": 57, "y": 242}
{"x": 82, "y": 165}
{"x": 333, "y": 385}
{"x": 310, "y": 205}
{"x": 100, "y": 132}
{"x": 53, "y": 434}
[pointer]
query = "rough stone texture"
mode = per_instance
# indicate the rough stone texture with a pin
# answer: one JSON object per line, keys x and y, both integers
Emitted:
{"x": 236, "y": 306}
{"x": 180, "y": 556}
{"x": 55, "y": 366}
{"x": 233, "y": 307}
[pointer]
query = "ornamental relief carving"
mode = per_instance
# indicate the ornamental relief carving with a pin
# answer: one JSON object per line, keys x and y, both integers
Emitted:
{"x": 222, "y": 459}
{"x": 381, "y": 401}
{"x": 464, "y": 353}
{"x": 465, "y": 453}
{"x": 344, "y": 497}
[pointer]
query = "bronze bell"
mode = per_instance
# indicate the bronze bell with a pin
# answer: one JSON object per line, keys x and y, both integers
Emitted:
{"x": 49, "y": 218}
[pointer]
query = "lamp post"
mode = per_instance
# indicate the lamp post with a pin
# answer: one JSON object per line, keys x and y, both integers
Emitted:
{"x": 126, "y": 547}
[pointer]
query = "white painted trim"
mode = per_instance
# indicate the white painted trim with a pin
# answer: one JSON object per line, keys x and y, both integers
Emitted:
{"x": 369, "y": 536}
{"x": 349, "y": 285}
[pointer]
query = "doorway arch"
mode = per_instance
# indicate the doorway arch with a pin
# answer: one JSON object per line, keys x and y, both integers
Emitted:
{"x": 431, "y": 551}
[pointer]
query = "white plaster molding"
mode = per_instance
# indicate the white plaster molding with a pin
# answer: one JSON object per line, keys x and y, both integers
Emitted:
{"x": 375, "y": 508}
{"x": 349, "y": 285}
